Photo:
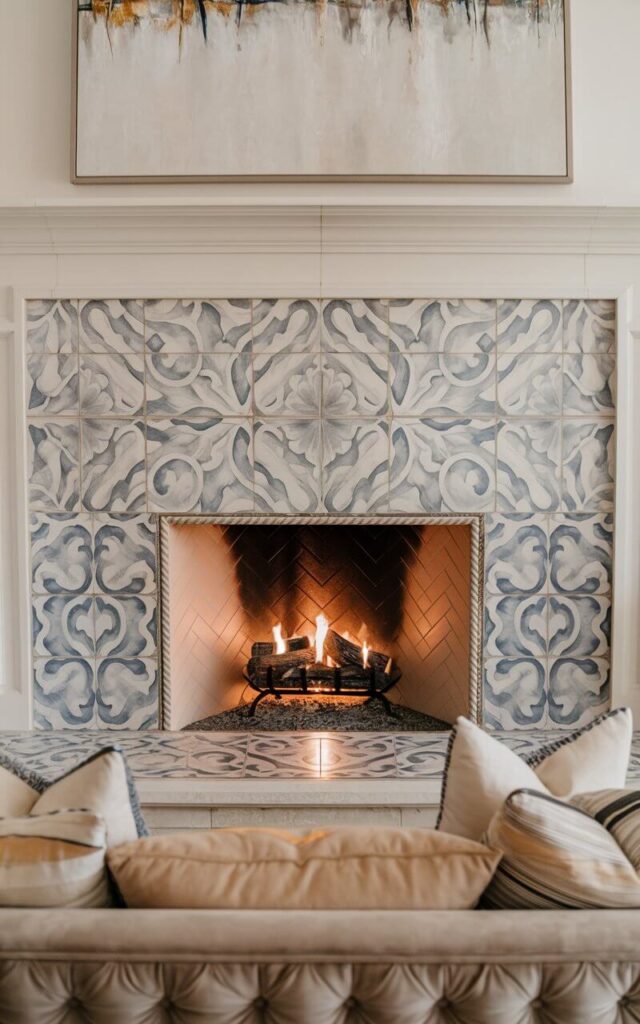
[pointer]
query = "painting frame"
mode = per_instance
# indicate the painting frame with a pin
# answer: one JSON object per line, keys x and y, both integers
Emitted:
{"x": 444, "y": 179}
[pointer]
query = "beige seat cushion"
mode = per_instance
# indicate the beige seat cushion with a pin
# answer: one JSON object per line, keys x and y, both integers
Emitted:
{"x": 342, "y": 868}
{"x": 53, "y": 860}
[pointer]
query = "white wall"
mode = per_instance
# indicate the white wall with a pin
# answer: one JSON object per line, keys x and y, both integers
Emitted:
{"x": 35, "y": 74}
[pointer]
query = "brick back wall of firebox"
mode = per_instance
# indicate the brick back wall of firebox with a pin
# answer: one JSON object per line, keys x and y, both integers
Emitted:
{"x": 506, "y": 408}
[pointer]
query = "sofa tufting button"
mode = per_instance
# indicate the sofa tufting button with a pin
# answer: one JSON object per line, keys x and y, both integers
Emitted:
{"x": 260, "y": 1003}
{"x": 624, "y": 1001}
{"x": 350, "y": 1003}
{"x": 537, "y": 1004}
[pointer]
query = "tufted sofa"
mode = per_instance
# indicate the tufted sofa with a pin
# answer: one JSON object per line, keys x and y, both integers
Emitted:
{"x": 319, "y": 967}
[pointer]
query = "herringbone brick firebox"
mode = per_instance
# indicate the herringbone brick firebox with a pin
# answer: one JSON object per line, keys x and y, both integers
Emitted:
{"x": 409, "y": 589}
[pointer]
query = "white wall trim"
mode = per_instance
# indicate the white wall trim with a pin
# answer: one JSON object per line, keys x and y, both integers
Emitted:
{"x": 118, "y": 226}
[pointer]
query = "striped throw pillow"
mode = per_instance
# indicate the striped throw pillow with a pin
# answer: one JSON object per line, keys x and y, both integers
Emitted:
{"x": 556, "y": 855}
{"x": 54, "y": 860}
{"x": 617, "y": 810}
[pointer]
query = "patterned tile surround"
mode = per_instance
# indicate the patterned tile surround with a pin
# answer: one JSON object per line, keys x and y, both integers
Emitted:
{"x": 277, "y": 756}
{"x": 302, "y": 406}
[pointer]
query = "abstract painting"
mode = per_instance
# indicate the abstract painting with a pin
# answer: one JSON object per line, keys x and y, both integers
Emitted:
{"x": 445, "y": 90}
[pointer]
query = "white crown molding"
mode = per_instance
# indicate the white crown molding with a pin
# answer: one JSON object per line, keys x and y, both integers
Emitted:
{"x": 188, "y": 227}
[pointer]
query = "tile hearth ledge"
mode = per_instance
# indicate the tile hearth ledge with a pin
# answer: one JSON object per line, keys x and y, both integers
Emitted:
{"x": 297, "y": 780}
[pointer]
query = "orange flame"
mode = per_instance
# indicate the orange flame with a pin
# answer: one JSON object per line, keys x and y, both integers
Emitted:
{"x": 277, "y": 639}
{"x": 365, "y": 655}
{"x": 322, "y": 628}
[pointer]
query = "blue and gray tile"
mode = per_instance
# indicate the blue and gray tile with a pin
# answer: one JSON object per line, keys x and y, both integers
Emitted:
{"x": 111, "y": 385}
{"x": 588, "y": 465}
{"x": 125, "y": 626}
{"x": 355, "y": 466}
{"x": 530, "y": 385}
{"x": 63, "y": 626}
{"x": 286, "y": 325}
{"x": 589, "y": 325}
{"x": 125, "y": 554}
{"x": 200, "y": 465}
{"x": 354, "y": 384}
{"x": 515, "y": 626}
{"x": 287, "y": 385}
{"x": 199, "y": 384}
{"x": 580, "y": 626}
{"x": 516, "y": 554}
{"x": 589, "y": 385}
{"x": 442, "y": 325}
{"x": 442, "y": 466}
{"x": 113, "y": 465}
{"x": 443, "y": 385}
{"x": 515, "y": 693}
{"x": 355, "y": 325}
{"x": 64, "y": 693}
{"x": 53, "y": 465}
{"x": 127, "y": 693}
{"x": 578, "y": 690}
{"x": 529, "y": 325}
{"x": 287, "y": 465}
{"x": 61, "y": 553}
{"x": 111, "y": 325}
{"x": 52, "y": 385}
{"x": 198, "y": 325}
{"x": 528, "y": 465}
{"x": 52, "y": 326}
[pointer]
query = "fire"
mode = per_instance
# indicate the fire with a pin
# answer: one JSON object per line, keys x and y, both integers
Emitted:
{"x": 322, "y": 628}
{"x": 277, "y": 639}
{"x": 365, "y": 655}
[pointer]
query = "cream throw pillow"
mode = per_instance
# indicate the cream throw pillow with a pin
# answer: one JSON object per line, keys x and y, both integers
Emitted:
{"x": 100, "y": 784}
{"x": 481, "y": 772}
{"x": 336, "y": 869}
{"x": 53, "y": 860}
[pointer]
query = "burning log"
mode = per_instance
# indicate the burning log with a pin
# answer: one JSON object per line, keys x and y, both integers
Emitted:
{"x": 292, "y": 643}
{"x": 281, "y": 664}
{"x": 345, "y": 652}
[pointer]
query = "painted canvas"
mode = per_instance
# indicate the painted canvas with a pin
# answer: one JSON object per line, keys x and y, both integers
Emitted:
{"x": 330, "y": 89}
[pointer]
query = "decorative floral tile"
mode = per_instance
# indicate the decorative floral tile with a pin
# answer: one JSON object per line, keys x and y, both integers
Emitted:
{"x": 419, "y": 756}
{"x": 443, "y": 385}
{"x": 526, "y": 325}
{"x": 442, "y": 466}
{"x": 287, "y": 465}
{"x": 589, "y": 385}
{"x": 354, "y": 385}
{"x": 61, "y": 553}
{"x": 125, "y": 626}
{"x": 589, "y": 325}
{"x": 516, "y": 554}
{"x": 52, "y": 385}
{"x": 203, "y": 384}
{"x": 355, "y": 466}
{"x": 581, "y": 554}
{"x": 588, "y": 465}
{"x": 212, "y": 325}
{"x": 222, "y": 756}
{"x": 125, "y": 554}
{"x": 53, "y": 465}
{"x": 355, "y": 325}
{"x": 530, "y": 385}
{"x": 113, "y": 465}
{"x": 111, "y": 325}
{"x": 287, "y": 385}
{"x": 284, "y": 756}
{"x": 528, "y": 466}
{"x": 64, "y": 693}
{"x": 363, "y": 757}
{"x": 63, "y": 626}
{"x": 580, "y": 626}
{"x": 200, "y": 465}
{"x": 286, "y": 325}
{"x": 515, "y": 626}
{"x": 578, "y": 690}
{"x": 442, "y": 325}
{"x": 111, "y": 385}
{"x": 52, "y": 326}
{"x": 127, "y": 693}
{"x": 514, "y": 692}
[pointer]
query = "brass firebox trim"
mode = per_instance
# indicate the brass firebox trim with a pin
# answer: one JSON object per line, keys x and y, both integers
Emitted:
{"x": 474, "y": 520}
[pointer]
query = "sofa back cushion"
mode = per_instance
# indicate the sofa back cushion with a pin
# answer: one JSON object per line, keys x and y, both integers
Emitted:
{"x": 341, "y": 868}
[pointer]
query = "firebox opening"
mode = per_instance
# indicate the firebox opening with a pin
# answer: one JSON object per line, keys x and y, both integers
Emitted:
{"x": 349, "y": 625}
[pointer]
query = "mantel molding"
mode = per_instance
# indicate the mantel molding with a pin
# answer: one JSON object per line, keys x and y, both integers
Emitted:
{"x": 193, "y": 227}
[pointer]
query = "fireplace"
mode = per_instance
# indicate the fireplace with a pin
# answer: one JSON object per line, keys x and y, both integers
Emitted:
{"x": 320, "y": 622}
